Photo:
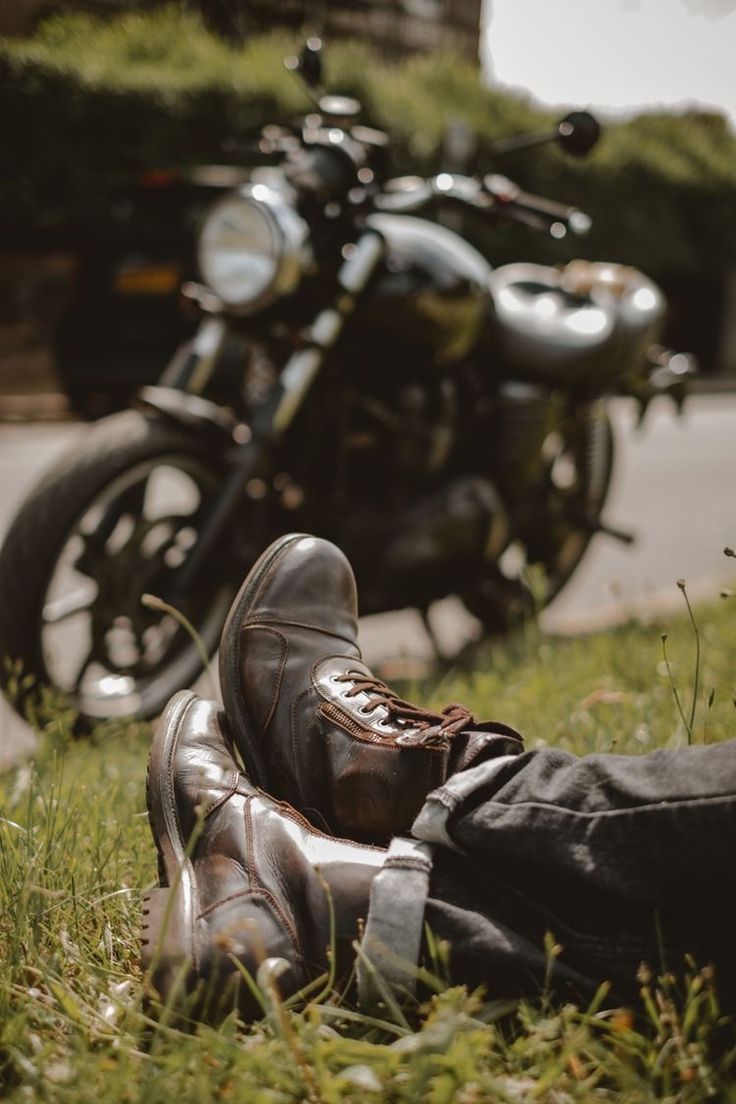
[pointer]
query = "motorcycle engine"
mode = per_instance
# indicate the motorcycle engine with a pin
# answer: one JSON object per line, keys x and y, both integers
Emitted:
{"x": 411, "y": 432}
{"x": 451, "y": 526}
{"x": 429, "y": 525}
{"x": 427, "y": 546}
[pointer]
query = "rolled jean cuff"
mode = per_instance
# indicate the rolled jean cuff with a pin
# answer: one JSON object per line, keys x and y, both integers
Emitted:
{"x": 389, "y": 951}
{"x": 431, "y": 823}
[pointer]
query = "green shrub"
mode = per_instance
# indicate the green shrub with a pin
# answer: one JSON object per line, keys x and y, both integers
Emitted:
{"x": 85, "y": 104}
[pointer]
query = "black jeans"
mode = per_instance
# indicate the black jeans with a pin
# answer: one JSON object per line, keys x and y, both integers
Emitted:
{"x": 622, "y": 859}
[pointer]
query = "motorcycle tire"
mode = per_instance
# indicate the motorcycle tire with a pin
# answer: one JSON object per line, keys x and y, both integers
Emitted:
{"x": 111, "y": 522}
{"x": 543, "y": 557}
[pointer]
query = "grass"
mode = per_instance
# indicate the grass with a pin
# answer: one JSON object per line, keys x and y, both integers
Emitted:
{"x": 76, "y": 856}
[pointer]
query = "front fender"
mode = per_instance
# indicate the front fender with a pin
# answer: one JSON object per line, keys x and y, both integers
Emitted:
{"x": 192, "y": 411}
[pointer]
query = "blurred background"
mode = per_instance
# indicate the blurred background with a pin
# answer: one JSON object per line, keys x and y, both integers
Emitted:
{"x": 619, "y": 56}
{"x": 123, "y": 119}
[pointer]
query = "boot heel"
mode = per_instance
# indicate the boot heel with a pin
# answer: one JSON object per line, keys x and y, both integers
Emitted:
{"x": 156, "y": 904}
{"x": 166, "y": 946}
{"x": 166, "y": 958}
{"x": 166, "y": 937}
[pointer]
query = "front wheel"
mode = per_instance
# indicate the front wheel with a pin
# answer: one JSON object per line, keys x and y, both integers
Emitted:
{"x": 113, "y": 522}
{"x": 553, "y": 525}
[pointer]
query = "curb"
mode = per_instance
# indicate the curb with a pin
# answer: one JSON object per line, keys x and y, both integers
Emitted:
{"x": 47, "y": 406}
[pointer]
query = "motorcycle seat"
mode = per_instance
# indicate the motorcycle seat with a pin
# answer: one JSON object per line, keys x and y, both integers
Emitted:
{"x": 585, "y": 320}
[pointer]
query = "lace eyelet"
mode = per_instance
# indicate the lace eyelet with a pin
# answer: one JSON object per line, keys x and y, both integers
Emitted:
{"x": 384, "y": 725}
{"x": 366, "y": 709}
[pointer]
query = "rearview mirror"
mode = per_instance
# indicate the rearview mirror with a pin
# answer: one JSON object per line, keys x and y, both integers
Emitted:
{"x": 309, "y": 63}
{"x": 578, "y": 132}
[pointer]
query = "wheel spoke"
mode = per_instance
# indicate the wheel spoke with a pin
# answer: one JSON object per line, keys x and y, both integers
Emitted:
{"x": 60, "y": 609}
{"x": 130, "y": 501}
{"x": 127, "y": 504}
{"x": 88, "y": 657}
{"x": 133, "y": 536}
{"x": 86, "y": 562}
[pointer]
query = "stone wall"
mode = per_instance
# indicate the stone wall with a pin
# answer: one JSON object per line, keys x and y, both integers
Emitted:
{"x": 395, "y": 27}
{"x": 35, "y": 290}
{"x": 408, "y": 26}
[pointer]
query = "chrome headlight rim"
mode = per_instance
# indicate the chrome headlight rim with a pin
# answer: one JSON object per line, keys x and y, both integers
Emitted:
{"x": 289, "y": 236}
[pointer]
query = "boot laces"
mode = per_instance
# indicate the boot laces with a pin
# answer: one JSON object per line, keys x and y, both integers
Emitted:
{"x": 430, "y": 729}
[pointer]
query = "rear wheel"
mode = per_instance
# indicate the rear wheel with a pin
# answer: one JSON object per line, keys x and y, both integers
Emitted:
{"x": 552, "y": 527}
{"x": 113, "y": 522}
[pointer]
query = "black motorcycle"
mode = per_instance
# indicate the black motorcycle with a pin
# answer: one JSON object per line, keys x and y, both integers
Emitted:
{"x": 359, "y": 372}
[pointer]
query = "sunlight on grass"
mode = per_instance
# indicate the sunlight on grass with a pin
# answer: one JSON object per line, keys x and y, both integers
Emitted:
{"x": 76, "y": 857}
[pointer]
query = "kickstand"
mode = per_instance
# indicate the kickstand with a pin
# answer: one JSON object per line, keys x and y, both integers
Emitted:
{"x": 424, "y": 614}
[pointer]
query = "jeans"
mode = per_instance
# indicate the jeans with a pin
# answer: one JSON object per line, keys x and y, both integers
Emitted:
{"x": 622, "y": 860}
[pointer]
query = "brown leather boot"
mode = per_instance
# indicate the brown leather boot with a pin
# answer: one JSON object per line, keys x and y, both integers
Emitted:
{"x": 242, "y": 878}
{"x": 312, "y": 723}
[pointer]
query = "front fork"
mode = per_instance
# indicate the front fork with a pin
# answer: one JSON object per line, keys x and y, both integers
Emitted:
{"x": 273, "y": 418}
{"x": 190, "y": 369}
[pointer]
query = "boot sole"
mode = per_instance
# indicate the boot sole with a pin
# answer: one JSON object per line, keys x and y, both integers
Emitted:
{"x": 242, "y": 724}
{"x": 169, "y": 912}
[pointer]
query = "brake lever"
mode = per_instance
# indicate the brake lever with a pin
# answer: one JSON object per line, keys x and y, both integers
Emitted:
{"x": 535, "y": 211}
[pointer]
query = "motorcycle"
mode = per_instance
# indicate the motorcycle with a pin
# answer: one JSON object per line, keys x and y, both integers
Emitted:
{"x": 359, "y": 372}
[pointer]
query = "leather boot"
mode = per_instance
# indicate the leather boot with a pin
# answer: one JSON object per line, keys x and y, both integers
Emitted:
{"x": 314, "y": 726}
{"x": 242, "y": 878}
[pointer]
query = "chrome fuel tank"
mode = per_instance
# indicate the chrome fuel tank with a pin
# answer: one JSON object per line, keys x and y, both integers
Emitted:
{"x": 427, "y": 303}
{"x": 582, "y": 325}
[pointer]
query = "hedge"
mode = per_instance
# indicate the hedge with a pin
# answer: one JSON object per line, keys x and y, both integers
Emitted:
{"x": 84, "y": 105}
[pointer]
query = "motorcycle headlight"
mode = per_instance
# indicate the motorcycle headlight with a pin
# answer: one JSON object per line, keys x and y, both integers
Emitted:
{"x": 252, "y": 248}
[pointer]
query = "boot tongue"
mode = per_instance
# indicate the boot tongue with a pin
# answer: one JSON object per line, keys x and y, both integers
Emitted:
{"x": 424, "y": 727}
{"x": 455, "y": 728}
{"x": 436, "y": 728}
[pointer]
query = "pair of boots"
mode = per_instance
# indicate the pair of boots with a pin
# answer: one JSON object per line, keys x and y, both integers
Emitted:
{"x": 244, "y": 876}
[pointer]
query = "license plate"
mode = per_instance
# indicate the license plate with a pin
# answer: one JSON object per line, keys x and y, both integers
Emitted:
{"x": 147, "y": 279}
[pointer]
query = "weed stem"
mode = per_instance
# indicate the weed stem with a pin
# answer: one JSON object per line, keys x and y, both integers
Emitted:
{"x": 673, "y": 684}
{"x": 696, "y": 677}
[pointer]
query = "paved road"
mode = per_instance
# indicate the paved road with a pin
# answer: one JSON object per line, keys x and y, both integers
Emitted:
{"x": 674, "y": 485}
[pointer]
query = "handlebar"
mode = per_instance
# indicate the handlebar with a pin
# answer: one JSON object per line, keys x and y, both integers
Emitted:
{"x": 321, "y": 174}
{"x": 325, "y": 162}
{"x": 494, "y": 194}
{"x": 535, "y": 211}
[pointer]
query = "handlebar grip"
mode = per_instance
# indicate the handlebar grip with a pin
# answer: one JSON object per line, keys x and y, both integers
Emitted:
{"x": 548, "y": 212}
{"x": 556, "y": 214}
